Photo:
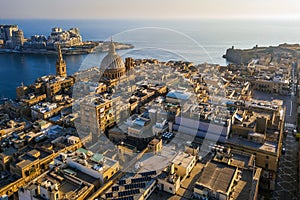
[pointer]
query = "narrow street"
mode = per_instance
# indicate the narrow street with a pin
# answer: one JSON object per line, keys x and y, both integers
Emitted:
{"x": 287, "y": 185}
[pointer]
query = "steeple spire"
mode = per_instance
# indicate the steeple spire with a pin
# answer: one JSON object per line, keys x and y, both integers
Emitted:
{"x": 59, "y": 53}
{"x": 60, "y": 64}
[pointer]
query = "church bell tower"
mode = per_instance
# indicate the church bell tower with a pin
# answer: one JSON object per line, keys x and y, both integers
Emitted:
{"x": 61, "y": 69}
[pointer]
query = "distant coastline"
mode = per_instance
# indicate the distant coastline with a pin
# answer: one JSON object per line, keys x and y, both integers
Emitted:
{"x": 12, "y": 40}
{"x": 244, "y": 56}
{"x": 89, "y": 47}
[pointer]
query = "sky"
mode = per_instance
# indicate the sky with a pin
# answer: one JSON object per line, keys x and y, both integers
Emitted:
{"x": 146, "y": 9}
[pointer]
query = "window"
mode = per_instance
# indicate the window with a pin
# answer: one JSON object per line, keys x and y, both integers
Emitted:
{"x": 175, "y": 168}
{"x": 267, "y": 166}
{"x": 267, "y": 157}
{"x": 170, "y": 188}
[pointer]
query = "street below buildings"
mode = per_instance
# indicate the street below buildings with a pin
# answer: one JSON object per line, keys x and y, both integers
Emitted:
{"x": 286, "y": 183}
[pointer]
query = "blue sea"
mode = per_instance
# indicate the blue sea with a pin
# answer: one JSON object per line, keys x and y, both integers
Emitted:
{"x": 197, "y": 41}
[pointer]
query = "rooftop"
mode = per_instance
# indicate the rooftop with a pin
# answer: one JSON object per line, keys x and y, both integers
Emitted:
{"x": 183, "y": 159}
{"x": 176, "y": 94}
{"x": 68, "y": 186}
{"x": 91, "y": 160}
{"x": 217, "y": 176}
{"x": 131, "y": 187}
{"x": 158, "y": 161}
{"x": 266, "y": 146}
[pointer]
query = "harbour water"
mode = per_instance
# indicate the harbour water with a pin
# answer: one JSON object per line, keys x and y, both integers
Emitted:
{"x": 197, "y": 41}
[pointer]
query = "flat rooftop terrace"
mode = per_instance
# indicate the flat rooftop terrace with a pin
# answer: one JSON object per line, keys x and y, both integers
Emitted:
{"x": 267, "y": 146}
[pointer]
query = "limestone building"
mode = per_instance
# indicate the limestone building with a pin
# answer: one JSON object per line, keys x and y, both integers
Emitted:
{"x": 47, "y": 86}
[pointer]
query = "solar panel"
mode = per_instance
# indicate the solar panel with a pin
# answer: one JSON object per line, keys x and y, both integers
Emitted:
{"x": 122, "y": 182}
{"x": 142, "y": 185}
{"x": 136, "y": 185}
{"x": 115, "y": 188}
{"x": 109, "y": 195}
{"x": 128, "y": 187}
{"x": 126, "y": 198}
{"x": 136, "y": 191}
{"x": 121, "y": 194}
{"x": 143, "y": 179}
{"x": 128, "y": 192}
{"x": 148, "y": 173}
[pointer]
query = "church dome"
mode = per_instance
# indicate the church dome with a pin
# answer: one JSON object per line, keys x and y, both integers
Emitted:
{"x": 112, "y": 61}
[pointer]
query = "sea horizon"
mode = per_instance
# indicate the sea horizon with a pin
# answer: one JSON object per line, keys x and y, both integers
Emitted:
{"x": 196, "y": 40}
